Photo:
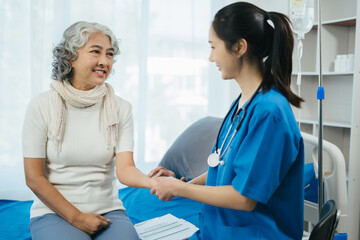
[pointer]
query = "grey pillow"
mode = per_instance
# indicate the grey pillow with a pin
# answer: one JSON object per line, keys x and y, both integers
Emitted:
{"x": 187, "y": 156}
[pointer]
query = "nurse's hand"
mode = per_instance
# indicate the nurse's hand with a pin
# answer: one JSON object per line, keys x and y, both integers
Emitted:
{"x": 161, "y": 172}
{"x": 165, "y": 187}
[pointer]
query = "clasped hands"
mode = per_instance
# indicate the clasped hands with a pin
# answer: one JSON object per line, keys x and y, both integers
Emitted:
{"x": 164, "y": 184}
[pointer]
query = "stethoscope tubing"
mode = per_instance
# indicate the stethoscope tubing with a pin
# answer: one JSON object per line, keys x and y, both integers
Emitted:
{"x": 244, "y": 109}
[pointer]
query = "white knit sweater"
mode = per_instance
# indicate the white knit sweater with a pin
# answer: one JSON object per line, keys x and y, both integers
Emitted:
{"x": 83, "y": 172}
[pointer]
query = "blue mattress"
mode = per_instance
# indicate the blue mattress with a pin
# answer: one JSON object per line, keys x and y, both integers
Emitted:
{"x": 140, "y": 206}
{"x": 139, "y": 203}
{"x": 14, "y": 219}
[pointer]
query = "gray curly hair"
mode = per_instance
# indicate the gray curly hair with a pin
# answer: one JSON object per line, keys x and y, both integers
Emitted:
{"x": 75, "y": 37}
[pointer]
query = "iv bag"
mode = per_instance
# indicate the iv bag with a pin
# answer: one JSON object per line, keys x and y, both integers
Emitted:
{"x": 302, "y": 16}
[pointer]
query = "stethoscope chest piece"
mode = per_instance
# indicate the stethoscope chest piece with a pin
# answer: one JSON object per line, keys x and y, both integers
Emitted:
{"x": 214, "y": 160}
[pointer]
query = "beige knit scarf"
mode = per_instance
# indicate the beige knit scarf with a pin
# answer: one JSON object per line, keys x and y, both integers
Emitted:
{"x": 62, "y": 92}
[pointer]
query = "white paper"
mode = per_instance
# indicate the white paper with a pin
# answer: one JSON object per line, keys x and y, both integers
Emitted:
{"x": 167, "y": 227}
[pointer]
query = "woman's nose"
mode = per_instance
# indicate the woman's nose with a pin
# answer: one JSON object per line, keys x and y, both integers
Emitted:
{"x": 103, "y": 60}
{"x": 211, "y": 57}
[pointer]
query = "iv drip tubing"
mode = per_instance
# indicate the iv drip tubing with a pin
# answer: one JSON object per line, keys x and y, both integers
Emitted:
{"x": 298, "y": 82}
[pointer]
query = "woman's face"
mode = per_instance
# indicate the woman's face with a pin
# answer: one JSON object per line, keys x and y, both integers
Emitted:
{"x": 94, "y": 62}
{"x": 227, "y": 62}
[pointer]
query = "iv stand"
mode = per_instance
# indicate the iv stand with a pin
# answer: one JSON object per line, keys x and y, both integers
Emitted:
{"x": 320, "y": 97}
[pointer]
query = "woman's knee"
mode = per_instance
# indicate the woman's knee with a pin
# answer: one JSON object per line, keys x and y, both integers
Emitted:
{"x": 119, "y": 228}
{"x": 52, "y": 226}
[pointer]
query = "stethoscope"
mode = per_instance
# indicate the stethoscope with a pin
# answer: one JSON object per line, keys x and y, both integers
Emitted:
{"x": 214, "y": 158}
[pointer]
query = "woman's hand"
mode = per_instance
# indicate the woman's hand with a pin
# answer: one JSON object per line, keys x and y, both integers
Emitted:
{"x": 163, "y": 172}
{"x": 165, "y": 187}
{"x": 90, "y": 223}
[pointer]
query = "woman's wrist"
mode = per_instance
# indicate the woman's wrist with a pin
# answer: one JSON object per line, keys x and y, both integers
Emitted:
{"x": 148, "y": 183}
{"x": 74, "y": 217}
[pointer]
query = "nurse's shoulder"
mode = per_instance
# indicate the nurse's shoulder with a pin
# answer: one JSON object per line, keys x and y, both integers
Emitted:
{"x": 272, "y": 104}
{"x": 271, "y": 101}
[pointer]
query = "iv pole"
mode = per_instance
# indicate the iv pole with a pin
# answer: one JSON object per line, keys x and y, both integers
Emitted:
{"x": 320, "y": 96}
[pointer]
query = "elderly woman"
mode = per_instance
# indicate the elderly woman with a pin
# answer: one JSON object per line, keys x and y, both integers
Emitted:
{"x": 71, "y": 135}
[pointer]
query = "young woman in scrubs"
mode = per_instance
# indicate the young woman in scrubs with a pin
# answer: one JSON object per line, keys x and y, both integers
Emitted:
{"x": 254, "y": 185}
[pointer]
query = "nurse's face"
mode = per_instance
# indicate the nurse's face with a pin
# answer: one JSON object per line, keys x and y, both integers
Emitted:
{"x": 94, "y": 62}
{"x": 226, "y": 61}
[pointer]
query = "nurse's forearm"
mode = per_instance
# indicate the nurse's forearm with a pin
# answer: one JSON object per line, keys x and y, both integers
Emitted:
{"x": 200, "y": 180}
{"x": 220, "y": 196}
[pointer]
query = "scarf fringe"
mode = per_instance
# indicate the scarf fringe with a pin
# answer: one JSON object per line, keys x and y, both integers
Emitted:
{"x": 112, "y": 136}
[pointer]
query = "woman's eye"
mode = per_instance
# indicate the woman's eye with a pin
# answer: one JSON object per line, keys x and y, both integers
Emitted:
{"x": 111, "y": 54}
{"x": 95, "y": 51}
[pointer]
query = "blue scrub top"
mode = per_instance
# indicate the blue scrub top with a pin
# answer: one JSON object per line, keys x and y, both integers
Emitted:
{"x": 264, "y": 162}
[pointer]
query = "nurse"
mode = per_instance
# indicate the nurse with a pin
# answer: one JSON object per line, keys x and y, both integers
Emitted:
{"x": 254, "y": 185}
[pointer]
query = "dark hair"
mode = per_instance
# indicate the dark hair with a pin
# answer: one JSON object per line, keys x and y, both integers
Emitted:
{"x": 270, "y": 42}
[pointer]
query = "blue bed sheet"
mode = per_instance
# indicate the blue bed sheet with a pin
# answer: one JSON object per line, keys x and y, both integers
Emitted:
{"x": 141, "y": 205}
{"x": 14, "y": 220}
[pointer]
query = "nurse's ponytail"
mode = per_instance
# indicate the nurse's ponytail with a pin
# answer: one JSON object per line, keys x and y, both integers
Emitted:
{"x": 278, "y": 65}
{"x": 270, "y": 42}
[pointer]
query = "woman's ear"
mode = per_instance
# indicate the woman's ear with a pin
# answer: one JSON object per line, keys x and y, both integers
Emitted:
{"x": 72, "y": 63}
{"x": 240, "y": 47}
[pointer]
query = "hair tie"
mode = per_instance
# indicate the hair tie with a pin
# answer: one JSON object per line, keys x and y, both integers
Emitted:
{"x": 268, "y": 20}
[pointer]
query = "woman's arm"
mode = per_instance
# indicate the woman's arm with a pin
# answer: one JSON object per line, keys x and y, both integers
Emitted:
{"x": 128, "y": 174}
{"x": 163, "y": 172}
{"x": 160, "y": 171}
{"x": 52, "y": 198}
{"x": 220, "y": 196}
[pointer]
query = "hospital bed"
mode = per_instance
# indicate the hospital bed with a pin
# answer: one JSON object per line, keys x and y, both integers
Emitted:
{"x": 334, "y": 173}
{"x": 186, "y": 157}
